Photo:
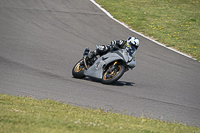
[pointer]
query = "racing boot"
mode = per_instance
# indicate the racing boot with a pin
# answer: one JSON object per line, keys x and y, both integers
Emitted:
{"x": 91, "y": 54}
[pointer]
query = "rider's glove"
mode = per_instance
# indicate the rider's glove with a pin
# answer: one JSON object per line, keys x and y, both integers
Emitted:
{"x": 128, "y": 49}
{"x": 120, "y": 42}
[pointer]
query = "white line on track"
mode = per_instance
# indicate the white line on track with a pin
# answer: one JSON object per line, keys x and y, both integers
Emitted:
{"x": 107, "y": 13}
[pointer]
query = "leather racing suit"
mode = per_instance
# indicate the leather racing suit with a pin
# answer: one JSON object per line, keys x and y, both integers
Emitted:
{"x": 103, "y": 49}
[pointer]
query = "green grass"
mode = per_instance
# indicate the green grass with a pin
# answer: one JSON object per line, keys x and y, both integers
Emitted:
{"x": 175, "y": 23}
{"x": 25, "y": 114}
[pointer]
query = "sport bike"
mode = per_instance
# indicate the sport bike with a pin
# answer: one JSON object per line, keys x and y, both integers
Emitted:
{"x": 108, "y": 68}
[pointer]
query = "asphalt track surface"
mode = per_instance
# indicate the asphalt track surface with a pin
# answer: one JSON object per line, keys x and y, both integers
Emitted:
{"x": 40, "y": 41}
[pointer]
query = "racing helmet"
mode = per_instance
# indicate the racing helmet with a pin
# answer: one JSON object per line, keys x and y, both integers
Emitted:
{"x": 133, "y": 42}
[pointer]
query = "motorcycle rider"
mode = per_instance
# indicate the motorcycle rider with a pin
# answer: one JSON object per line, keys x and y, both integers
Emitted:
{"x": 131, "y": 45}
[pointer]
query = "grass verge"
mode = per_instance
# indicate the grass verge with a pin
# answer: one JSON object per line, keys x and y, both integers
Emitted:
{"x": 175, "y": 23}
{"x": 25, "y": 114}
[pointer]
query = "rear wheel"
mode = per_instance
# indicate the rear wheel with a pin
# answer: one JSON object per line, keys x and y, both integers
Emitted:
{"x": 78, "y": 69}
{"x": 113, "y": 74}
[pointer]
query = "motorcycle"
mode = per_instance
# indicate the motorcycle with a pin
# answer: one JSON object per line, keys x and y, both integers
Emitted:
{"x": 108, "y": 68}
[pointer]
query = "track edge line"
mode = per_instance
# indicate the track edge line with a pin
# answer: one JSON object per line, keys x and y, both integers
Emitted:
{"x": 109, "y": 15}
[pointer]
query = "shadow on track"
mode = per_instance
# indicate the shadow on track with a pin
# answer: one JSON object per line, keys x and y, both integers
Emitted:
{"x": 117, "y": 83}
{"x": 123, "y": 83}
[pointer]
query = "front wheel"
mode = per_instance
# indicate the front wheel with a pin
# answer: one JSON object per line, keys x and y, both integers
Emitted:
{"x": 113, "y": 74}
{"x": 78, "y": 69}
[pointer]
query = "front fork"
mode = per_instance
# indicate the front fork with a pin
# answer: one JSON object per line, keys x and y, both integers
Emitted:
{"x": 113, "y": 67}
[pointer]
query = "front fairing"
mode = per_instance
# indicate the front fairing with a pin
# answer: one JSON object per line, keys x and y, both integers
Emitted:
{"x": 131, "y": 64}
{"x": 96, "y": 70}
{"x": 116, "y": 55}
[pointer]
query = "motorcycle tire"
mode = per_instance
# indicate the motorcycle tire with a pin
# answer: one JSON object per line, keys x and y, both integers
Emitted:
{"x": 114, "y": 76}
{"x": 78, "y": 70}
